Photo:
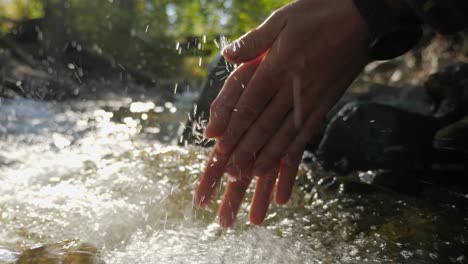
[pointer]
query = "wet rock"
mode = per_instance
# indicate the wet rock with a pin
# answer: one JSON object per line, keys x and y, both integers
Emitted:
{"x": 413, "y": 99}
{"x": 22, "y": 81}
{"x": 398, "y": 228}
{"x": 414, "y": 183}
{"x": 400, "y": 181}
{"x": 453, "y": 137}
{"x": 365, "y": 136}
{"x": 346, "y": 185}
{"x": 449, "y": 89}
{"x": 26, "y": 71}
{"x": 68, "y": 252}
{"x": 412, "y": 133}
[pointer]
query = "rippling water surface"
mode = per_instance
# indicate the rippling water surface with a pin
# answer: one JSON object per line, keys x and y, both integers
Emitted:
{"x": 91, "y": 181}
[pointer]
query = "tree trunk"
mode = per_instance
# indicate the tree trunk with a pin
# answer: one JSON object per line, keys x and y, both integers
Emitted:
{"x": 55, "y": 30}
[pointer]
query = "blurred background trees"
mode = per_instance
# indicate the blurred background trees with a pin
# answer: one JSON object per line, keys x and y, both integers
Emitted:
{"x": 166, "y": 38}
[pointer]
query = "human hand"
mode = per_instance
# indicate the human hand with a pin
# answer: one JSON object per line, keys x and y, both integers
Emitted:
{"x": 295, "y": 66}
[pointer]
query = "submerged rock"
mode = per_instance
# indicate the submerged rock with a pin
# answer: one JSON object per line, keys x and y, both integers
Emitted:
{"x": 68, "y": 252}
{"x": 7, "y": 256}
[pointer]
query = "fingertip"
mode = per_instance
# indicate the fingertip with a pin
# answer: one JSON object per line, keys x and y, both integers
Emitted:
{"x": 262, "y": 197}
{"x": 201, "y": 200}
{"x": 211, "y": 132}
{"x": 210, "y": 180}
{"x": 227, "y": 222}
{"x": 231, "y": 52}
{"x": 223, "y": 145}
{"x": 283, "y": 191}
{"x": 203, "y": 194}
{"x": 282, "y": 199}
{"x": 256, "y": 217}
{"x": 227, "y": 215}
{"x": 232, "y": 200}
{"x": 287, "y": 176}
{"x": 217, "y": 122}
{"x": 220, "y": 110}
{"x": 257, "y": 41}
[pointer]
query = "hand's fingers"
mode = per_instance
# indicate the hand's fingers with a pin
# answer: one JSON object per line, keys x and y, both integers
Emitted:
{"x": 257, "y": 41}
{"x": 260, "y": 132}
{"x": 278, "y": 144}
{"x": 262, "y": 196}
{"x": 287, "y": 175}
{"x": 318, "y": 100}
{"x": 225, "y": 102}
{"x": 211, "y": 178}
{"x": 292, "y": 158}
{"x": 254, "y": 98}
{"x": 232, "y": 200}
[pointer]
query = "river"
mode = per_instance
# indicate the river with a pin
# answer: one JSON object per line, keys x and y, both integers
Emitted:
{"x": 89, "y": 181}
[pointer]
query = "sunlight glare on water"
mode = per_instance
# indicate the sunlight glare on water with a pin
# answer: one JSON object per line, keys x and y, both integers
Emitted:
{"x": 71, "y": 171}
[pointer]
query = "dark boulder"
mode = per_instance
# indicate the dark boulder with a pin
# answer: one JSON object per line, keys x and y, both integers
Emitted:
{"x": 412, "y": 99}
{"x": 400, "y": 129}
{"x": 449, "y": 90}
{"x": 365, "y": 136}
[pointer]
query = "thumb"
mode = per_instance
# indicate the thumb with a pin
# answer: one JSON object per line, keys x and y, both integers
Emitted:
{"x": 256, "y": 42}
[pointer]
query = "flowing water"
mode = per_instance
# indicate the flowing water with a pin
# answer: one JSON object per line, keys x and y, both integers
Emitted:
{"x": 103, "y": 181}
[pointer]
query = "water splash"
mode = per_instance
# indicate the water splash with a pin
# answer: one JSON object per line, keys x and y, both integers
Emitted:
{"x": 132, "y": 198}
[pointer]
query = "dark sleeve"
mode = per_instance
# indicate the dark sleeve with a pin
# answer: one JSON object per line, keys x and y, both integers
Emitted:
{"x": 446, "y": 16}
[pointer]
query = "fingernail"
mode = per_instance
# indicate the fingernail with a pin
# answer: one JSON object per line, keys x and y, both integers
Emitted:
{"x": 227, "y": 223}
{"x": 231, "y": 51}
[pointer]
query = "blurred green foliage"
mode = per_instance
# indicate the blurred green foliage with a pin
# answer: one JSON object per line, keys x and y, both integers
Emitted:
{"x": 15, "y": 9}
{"x": 145, "y": 33}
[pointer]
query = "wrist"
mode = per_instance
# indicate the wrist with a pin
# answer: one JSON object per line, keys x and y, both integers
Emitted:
{"x": 392, "y": 29}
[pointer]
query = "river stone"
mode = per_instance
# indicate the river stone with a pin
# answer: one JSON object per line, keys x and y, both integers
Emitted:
{"x": 453, "y": 137}
{"x": 449, "y": 89}
{"x": 67, "y": 252}
{"x": 412, "y": 99}
{"x": 365, "y": 136}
